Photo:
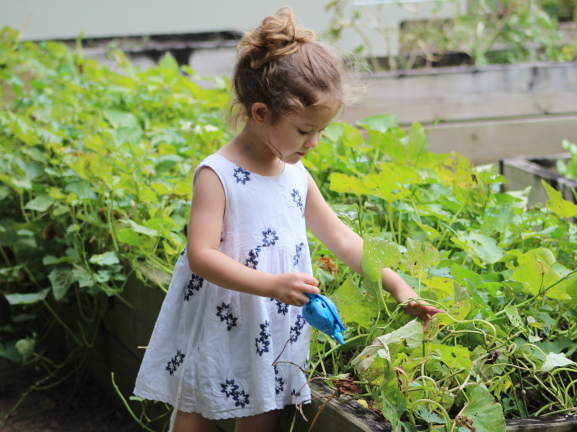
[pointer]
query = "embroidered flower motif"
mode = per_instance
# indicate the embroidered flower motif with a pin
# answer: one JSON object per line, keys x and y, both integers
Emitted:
{"x": 194, "y": 284}
{"x": 225, "y": 314}
{"x": 295, "y": 393}
{"x": 173, "y": 364}
{"x": 269, "y": 237}
{"x": 241, "y": 399}
{"x": 299, "y": 248}
{"x": 307, "y": 361}
{"x": 241, "y": 176}
{"x": 296, "y": 330}
{"x": 263, "y": 342}
{"x": 251, "y": 261}
{"x": 282, "y": 308}
{"x": 265, "y": 329}
{"x": 279, "y": 383}
{"x": 298, "y": 201}
{"x": 183, "y": 251}
{"x": 261, "y": 345}
{"x": 229, "y": 388}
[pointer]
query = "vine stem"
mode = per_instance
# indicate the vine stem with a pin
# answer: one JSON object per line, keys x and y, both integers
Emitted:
{"x": 128, "y": 406}
{"x": 454, "y": 219}
{"x": 55, "y": 315}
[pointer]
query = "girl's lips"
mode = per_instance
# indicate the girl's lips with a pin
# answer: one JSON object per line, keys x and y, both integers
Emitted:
{"x": 300, "y": 153}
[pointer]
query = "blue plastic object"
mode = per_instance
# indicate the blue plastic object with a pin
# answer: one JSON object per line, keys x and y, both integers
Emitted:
{"x": 323, "y": 315}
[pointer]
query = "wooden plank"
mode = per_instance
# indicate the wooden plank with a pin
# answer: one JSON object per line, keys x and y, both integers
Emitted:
{"x": 530, "y": 171}
{"x": 335, "y": 417}
{"x": 489, "y": 141}
{"x": 566, "y": 423}
{"x": 468, "y": 93}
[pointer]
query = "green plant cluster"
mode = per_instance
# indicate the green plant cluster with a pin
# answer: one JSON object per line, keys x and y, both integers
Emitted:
{"x": 503, "y": 273}
{"x": 95, "y": 186}
{"x": 569, "y": 168}
{"x": 509, "y": 31}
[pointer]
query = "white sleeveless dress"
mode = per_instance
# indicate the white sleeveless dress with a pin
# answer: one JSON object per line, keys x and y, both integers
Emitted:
{"x": 212, "y": 349}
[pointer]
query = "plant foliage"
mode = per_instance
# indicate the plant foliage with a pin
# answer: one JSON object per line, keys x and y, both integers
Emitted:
{"x": 95, "y": 189}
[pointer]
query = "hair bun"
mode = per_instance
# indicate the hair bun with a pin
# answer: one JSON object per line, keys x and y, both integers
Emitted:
{"x": 276, "y": 37}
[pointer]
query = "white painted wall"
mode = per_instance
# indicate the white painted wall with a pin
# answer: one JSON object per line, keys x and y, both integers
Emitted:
{"x": 59, "y": 19}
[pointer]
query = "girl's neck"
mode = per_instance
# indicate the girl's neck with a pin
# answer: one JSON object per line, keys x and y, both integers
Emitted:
{"x": 250, "y": 151}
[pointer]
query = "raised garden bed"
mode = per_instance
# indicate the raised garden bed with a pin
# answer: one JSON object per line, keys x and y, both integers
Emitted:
{"x": 523, "y": 171}
{"x": 124, "y": 329}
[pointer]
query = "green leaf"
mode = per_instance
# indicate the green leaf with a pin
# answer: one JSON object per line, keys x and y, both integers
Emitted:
{"x": 417, "y": 144}
{"x": 16, "y": 299}
{"x": 49, "y": 260}
{"x": 553, "y": 360}
{"x": 411, "y": 333}
{"x": 429, "y": 417}
{"x": 139, "y": 228}
{"x": 380, "y": 123}
{"x": 8, "y": 350}
{"x": 61, "y": 280}
{"x": 556, "y": 203}
{"x": 41, "y": 203}
{"x": 421, "y": 255}
{"x": 536, "y": 274}
{"x": 482, "y": 412}
{"x": 82, "y": 190}
{"x": 120, "y": 119}
{"x": 514, "y": 317}
{"x": 352, "y": 305}
{"x": 168, "y": 62}
{"x": 480, "y": 246}
{"x": 454, "y": 357}
{"x": 25, "y": 347}
{"x": 82, "y": 276}
{"x": 342, "y": 183}
{"x": 130, "y": 237}
{"x": 334, "y": 131}
{"x": 106, "y": 259}
{"x": 377, "y": 255}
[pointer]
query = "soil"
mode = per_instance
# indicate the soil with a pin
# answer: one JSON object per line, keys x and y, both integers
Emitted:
{"x": 53, "y": 410}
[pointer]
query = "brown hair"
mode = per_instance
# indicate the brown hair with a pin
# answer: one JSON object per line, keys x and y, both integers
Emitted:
{"x": 282, "y": 66}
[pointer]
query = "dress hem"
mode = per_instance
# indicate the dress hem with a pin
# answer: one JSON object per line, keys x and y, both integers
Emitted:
{"x": 234, "y": 413}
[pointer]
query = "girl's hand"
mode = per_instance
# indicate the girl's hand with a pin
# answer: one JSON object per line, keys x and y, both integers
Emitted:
{"x": 422, "y": 311}
{"x": 290, "y": 288}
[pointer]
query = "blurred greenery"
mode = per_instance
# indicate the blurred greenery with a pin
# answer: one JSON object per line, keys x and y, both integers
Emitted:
{"x": 486, "y": 31}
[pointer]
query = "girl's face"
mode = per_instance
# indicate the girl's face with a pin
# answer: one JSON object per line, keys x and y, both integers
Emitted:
{"x": 295, "y": 134}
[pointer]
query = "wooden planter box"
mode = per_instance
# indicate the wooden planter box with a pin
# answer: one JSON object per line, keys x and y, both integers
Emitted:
{"x": 485, "y": 113}
{"x": 124, "y": 329}
{"x": 526, "y": 171}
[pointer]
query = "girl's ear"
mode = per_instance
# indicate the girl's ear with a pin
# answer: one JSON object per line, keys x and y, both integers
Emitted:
{"x": 260, "y": 112}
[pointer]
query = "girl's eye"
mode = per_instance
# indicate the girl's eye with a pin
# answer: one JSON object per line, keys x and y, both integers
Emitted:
{"x": 303, "y": 132}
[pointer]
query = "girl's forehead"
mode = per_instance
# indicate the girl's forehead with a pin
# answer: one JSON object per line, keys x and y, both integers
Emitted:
{"x": 317, "y": 115}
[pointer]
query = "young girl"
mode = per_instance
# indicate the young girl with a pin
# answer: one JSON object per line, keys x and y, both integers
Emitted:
{"x": 235, "y": 298}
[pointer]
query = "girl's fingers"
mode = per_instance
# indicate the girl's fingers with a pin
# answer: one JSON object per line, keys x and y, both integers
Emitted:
{"x": 309, "y": 280}
{"x": 310, "y": 289}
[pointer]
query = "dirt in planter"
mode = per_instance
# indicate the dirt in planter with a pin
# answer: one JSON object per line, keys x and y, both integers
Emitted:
{"x": 347, "y": 386}
{"x": 53, "y": 410}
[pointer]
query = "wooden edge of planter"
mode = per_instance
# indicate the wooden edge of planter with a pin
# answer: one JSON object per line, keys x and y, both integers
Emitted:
{"x": 523, "y": 171}
{"x": 565, "y": 423}
{"x": 348, "y": 416}
{"x": 464, "y": 69}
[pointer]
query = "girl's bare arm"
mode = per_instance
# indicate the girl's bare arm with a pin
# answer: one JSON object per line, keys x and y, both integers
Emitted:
{"x": 344, "y": 242}
{"x": 204, "y": 231}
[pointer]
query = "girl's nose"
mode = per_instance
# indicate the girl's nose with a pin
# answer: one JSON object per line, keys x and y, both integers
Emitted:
{"x": 314, "y": 141}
